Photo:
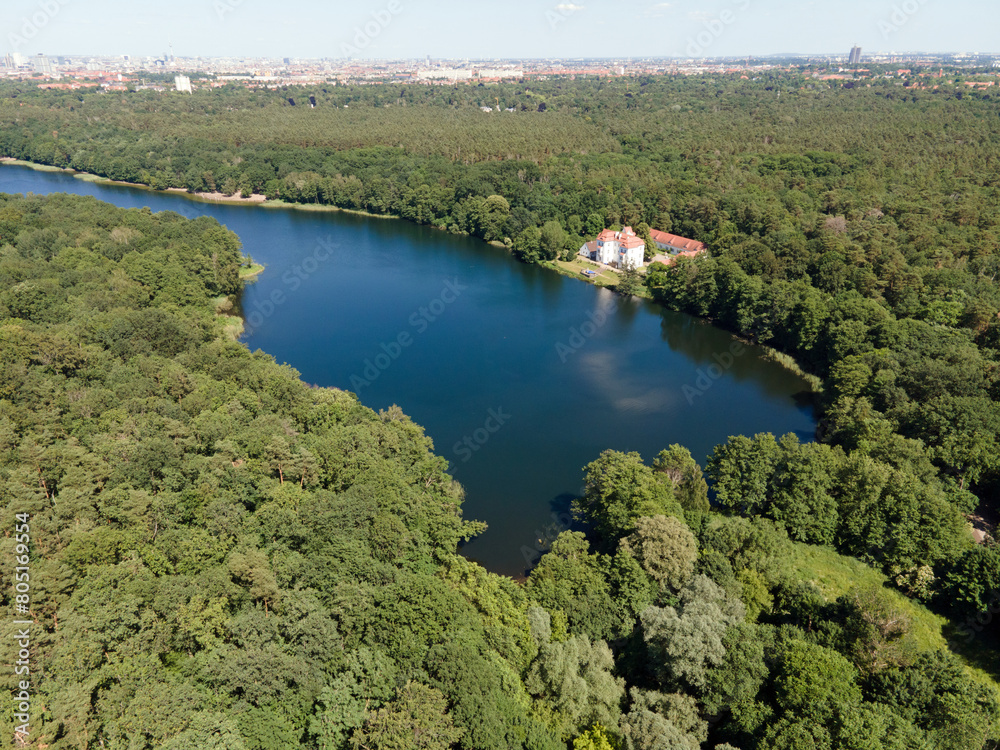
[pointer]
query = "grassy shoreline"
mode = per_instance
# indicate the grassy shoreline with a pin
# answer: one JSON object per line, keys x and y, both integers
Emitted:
{"x": 251, "y": 272}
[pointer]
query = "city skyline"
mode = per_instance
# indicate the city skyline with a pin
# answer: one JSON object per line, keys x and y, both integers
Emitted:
{"x": 413, "y": 29}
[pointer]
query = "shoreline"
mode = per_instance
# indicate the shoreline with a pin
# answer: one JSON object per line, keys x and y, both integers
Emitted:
{"x": 784, "y": 360}
{"x": 257, "y": 199}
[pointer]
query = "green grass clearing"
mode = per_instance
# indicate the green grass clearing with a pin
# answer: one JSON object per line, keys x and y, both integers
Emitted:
{"x": 835, "y": 574}
{"x": 251, "y": 272}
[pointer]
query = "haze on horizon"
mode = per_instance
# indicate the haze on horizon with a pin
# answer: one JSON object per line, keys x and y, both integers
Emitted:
{"x": 512, "y": 29}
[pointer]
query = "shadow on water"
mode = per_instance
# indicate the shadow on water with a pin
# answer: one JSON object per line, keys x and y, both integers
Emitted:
{"x": 561, "y": 519}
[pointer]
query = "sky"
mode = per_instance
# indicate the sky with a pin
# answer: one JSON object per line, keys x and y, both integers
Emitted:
{"x": 459, "y": 29}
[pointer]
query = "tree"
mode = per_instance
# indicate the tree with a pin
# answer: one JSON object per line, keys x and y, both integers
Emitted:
{"x": 527, "y": 245}
{"x": 875, "y": 631}
{"x": 756, "y": 544}
{"x": 666, "y": 549}
{"x": 814, "y": 682}
{"x": 938, "y": 695}
{"x": 741, "y": 470}
{"x": 739, "y": 677}
{"x": 597, "y": 738}
{"x": 552, "y": 240}
{"x": 632, "y": 589}
{"x": 970, "y": 586}
{"x": 594, "y": 225}
{"x": 487, "y": 697}
{"x": 209, "y": 730}
{"x": 689, "y": 485}
{"x": 252, "y": 570}
{"x": 570, "y": 580}
{"x": 575, "y": 679}
{"x": 619, "y": 489}
{"x": 686, "y": 642}
{"x": 642, "y": 231}
{"x": 803, "y": 482}
{"x": 892, "y": 517}
{"x": 792, "y": 733}
{"x": 659, "y": 721}
{"x": 873, "y": 726}
{"x": 416, "y": 719}
{"x": 366, "y": 684}
{"x": 489, "y": 215}
{"x": 629, "y": 280}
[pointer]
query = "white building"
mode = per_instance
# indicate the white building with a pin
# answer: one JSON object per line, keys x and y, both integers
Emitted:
{"x": 445, "y": 74}
{"x": 616, "y": 249}
{"x": 42, "y": 64}
{"x": 183, "y": 84}
{"x": 501, "y": 73}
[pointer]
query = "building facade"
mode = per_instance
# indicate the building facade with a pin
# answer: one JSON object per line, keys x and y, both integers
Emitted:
{"x": 616, "y": 249}
{"x": 673, "y": 244}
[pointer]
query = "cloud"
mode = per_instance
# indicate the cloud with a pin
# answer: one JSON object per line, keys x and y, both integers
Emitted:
{"x": 568, "y": 7}
{"x": 606, "y": 372}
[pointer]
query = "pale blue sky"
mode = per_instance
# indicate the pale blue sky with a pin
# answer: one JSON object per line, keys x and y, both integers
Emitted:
{"x": 513, "y": 28}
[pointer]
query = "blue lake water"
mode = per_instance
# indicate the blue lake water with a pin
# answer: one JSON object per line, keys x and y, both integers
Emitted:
{"x": 520, "y": 376}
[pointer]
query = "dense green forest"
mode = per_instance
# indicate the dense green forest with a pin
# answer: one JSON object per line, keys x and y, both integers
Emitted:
{"x": 224, "y": 557}
{"x": 855, "y": 227}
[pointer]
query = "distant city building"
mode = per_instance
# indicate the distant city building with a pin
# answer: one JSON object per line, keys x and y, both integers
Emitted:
{"x": 855, "y": 57}
{"x": 286, "y": 60}
{"x": 42, "y": 64}
{"x": 500, "y": 73}
{"x": 445, "y": 74}
{"x": 183, "y": 84}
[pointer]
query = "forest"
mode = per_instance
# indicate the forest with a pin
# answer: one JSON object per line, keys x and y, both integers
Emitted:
{"x": 225, "y": 557}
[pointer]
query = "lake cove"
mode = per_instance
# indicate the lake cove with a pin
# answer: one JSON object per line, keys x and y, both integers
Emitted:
{"x": 520, "y": 376}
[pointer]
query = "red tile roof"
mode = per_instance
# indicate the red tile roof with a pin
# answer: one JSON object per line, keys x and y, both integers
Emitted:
{"x": 626, "y": 238}
{"x": 672, "y": 240}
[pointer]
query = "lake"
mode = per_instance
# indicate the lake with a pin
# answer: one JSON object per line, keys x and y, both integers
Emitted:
{"x": 519, "y": 375}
